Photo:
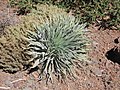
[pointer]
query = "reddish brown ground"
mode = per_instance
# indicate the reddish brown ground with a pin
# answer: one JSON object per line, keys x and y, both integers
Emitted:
{"x": 101, "y": 73}
{"x": 7, "y": 17}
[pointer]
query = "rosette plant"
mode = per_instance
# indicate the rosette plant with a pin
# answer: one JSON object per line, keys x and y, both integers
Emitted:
{"x": 56, "y": 45}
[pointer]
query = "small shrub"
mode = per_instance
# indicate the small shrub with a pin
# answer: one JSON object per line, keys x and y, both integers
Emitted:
{"x": 104, "y": 13}
{"x": 56, "y": 45}
{"x": 12, "y": 44}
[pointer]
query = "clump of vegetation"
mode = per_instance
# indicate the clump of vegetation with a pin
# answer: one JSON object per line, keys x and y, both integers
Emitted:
{"x": 12, "y": 55}
{"x": 24, "y": 6}
{"x": 57, "y": 45}
{"x": 12, "y": 44}
{"x": 104, "y": 13}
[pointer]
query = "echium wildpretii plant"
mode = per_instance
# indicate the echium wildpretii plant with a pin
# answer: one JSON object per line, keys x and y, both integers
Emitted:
{"x": 56, "y": 45}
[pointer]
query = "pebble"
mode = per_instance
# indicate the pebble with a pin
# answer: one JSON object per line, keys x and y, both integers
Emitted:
{"x": 97, "y": 72}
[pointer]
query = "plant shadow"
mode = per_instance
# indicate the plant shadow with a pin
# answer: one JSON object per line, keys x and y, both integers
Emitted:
{"x": 32, "y": 70}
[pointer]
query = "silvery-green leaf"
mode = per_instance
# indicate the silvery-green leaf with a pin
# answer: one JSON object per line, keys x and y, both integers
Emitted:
{"x": 35, "y": 64}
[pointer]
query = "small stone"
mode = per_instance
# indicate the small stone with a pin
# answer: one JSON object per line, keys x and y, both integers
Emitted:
{"x": 97, "y": 72}
{"x": 95, "y": 44}
{"x": 45, "y": 88}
